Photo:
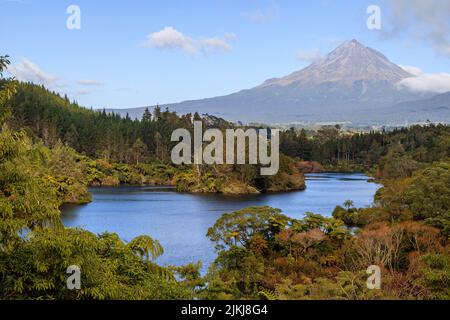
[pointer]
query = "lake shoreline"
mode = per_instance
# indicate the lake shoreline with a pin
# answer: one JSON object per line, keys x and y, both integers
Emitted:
{"x": 180, "y": 220}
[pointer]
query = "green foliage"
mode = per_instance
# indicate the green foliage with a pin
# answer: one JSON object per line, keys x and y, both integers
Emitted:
{"x": 264, "y": 255}
{"x": 436, "y": 275}
{"x": 128, "y": 151}
{"x": 8, "y": 88}
{"x": 96, "y": 134}
{"x": 110, "y": 269}
{"x": 35, "y": 249}
{"x": 289, "y": 177}
{"x": 46, "y": 159}
{"x": 397, "y": 153}
{"x": 345, "y": 286}
{"x": 259, "y": 246}
{"x": 397, "y": 164}
{"x": 66, "y": 171}
{"x": 239, "y": 227}
{"x": 139, "y": 150}
{"x": 268, "y": 295}
{"x": 189, "y": 275}
{"x": 27, "y": 199}
{"x": 428, "y": 196}
{"x": 146, "y": 248}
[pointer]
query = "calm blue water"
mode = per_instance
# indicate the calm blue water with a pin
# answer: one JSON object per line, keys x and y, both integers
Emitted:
{"x": 180, "y": 221}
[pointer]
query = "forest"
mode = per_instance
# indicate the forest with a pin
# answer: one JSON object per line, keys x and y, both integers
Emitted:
{"x": 52, "y": 150}
{"x": 135, "y": 151}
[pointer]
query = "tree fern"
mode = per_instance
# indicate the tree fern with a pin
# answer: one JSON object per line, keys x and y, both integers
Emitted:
{"x": 146, "y": 247}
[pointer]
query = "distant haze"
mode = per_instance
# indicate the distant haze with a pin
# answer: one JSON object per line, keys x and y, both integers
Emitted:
{"x": 353, "y": 83}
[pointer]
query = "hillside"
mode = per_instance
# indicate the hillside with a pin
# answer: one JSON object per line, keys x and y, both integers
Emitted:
{"x": 119, "y": 150}
{"x": 353, "y": 83}
{"x": 435, "y": 109}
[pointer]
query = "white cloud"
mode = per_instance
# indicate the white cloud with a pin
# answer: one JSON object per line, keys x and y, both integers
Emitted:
{"x": 89, "y": 82}
{"x": 309, "y": 56}
{"x": 427, "y": 82}
{"x": 170, "y": 38}
{"x": 28, "y": 71}
{"x": 427, "y": 21}
{"x": 214, "y": 44}
{"x": 411, "y": 69}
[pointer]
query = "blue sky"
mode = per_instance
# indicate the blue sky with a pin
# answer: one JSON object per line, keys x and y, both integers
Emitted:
{"x": 135, "y": 53}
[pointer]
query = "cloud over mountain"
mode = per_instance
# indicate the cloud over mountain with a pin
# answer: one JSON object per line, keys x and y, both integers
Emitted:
{"x": 353, "y": 83}
{"x": 411, "y": 69}
{"x": 427, "y": 82}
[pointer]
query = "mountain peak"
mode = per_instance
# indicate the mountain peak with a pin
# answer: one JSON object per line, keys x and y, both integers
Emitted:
{"x": 350, "y": 84}
{"x": 349, "y": 62}
{"x": 352, "y": 42}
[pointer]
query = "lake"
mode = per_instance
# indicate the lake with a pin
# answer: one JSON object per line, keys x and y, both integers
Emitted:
{"x": 180, "y": 221}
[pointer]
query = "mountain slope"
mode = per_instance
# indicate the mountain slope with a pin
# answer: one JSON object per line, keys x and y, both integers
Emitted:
{"x": 349, "y": 62}
{"x": 435, "y": 109}
{"x": 352, "y": 83}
